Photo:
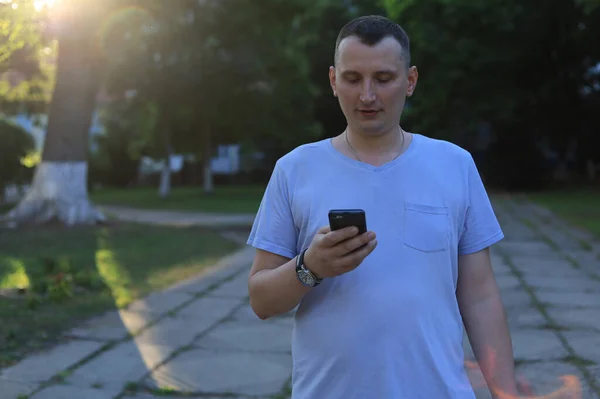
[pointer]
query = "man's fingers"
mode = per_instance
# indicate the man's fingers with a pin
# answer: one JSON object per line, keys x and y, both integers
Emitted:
{"x": 355, "y": 258}
{"x": 355, "y": 242}
{"x": 334, "y": 237}
{"x": 324, "y": 230}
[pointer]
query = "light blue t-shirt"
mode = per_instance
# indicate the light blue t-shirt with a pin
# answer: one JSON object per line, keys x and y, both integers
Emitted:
{"x": 390, "y": 329}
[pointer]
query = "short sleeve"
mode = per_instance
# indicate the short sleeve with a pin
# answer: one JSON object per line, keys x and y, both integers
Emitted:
{"x": 273, "y": 229}
{"x": 481, "y": 228}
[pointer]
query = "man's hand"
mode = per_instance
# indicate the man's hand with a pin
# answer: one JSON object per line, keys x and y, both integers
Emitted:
{"x": 524, "y": 388}
{"x": 332, "y": 253}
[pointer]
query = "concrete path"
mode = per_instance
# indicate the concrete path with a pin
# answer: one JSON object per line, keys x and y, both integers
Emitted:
{"x": 201, "y": 337}
{"x": 176, "y": 218}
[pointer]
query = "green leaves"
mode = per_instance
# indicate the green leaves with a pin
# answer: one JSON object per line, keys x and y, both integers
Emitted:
{"x": 233, "y": 67}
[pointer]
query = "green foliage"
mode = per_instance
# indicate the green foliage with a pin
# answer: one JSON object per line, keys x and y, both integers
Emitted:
{"x": 58, "y": 280}
{"x": 235, "y": 70}
{"x": 329, "y": 18}
{"x": 128, "y": 128}
{"x": 16, "y": 144}
{"x": 26, "y": 53}
{"x": 519, "y": 65}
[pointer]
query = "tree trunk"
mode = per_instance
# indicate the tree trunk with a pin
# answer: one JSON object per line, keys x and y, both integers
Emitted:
{"x": 58, "y": 192}
{"x": 59, "y": 189}
{"x": 164, "y": 126}
{"x": 208, "y": 175}
{"x": 164, "y": 187}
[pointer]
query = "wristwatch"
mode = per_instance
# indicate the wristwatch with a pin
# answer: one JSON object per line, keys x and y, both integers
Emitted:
{"x": 306, "y": 277}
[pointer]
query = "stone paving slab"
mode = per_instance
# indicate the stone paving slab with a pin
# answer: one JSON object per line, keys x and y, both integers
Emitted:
{"x": 13, "y": 389}
{"x": 531, "y": 249}
{"x": 112, "y": 325}
{"x": 536, "y": 345}
{"x": 175, "y": 331}
{"x": 250, "y": 337}
{"x": 530, "y": 275}
{"x": 501, "y": 268}
{"x": 237, "y": 287}
{"x": 544, "y": 265}
{"x": 580, "y": 319}
{"x": 126, "y": 362}
{"x": 216, "y": 371}
{"x": 579, "y": 233}
{"x": 562, "y": 237}
{"x": 525, "y": 317}
{"x": 586, "y": 344}
{"x": 563, "y": 284}
{"x": 570, "y": 299}
{"x": 515, "y": 297}
{"x": 508, "y": 282}
{"x": 210, "y": 307}
{"x": 588, "y": 261}
{"x": 160, "y": 302}
{"x": 72, "y": 392}
{"x": 519, "y": 232}
{"x": 41, "y": 367}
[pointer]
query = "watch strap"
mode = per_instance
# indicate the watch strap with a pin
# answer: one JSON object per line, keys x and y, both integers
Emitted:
{"x": 301, "y": 266}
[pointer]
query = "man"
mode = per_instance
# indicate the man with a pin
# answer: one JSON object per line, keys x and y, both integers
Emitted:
{"x": 381, "y": 321}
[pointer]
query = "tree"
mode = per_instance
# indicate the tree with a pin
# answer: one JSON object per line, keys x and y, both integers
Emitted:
{"x": 329, "y": 18}
{"x": 59, "y": 188}
{"x": 26, "y": 76}
{"x": 519, "y": 65}
{"x": 218, "y": 72}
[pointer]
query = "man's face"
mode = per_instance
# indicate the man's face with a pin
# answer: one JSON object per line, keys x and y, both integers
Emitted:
{"x": 371, "y": 84}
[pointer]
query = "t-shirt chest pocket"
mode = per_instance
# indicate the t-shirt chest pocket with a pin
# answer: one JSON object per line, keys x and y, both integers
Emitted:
{"x": 426, "y": 227}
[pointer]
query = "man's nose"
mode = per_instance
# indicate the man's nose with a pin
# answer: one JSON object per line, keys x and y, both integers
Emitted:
{"x": 367, "y": 94}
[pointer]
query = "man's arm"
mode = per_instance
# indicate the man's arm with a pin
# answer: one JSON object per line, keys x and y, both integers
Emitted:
{"x": 273, "y": 286}
{"x": 485, "y": 322}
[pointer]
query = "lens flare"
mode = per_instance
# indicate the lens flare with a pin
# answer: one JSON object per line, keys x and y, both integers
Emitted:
{"x": 570, "y": 388}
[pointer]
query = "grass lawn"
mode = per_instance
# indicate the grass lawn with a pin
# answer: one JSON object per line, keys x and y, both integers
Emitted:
{"x": 581, "y": 207}
{"x": 225, "y": 199}
{"x": 70, "y": 274}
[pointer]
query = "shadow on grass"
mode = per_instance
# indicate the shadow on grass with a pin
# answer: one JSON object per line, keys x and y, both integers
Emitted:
{"x": 53, "y": 278}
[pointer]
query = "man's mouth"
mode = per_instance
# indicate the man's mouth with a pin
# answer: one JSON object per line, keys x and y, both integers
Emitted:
{"x": 368, "y": 112}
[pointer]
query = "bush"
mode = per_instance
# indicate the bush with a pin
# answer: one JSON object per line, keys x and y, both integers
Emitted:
{"x": 516, "y": 163}
{"x": 16, "y": 144}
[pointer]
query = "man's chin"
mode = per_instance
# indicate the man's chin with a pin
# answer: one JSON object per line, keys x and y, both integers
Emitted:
{"x": 374, "y": 129}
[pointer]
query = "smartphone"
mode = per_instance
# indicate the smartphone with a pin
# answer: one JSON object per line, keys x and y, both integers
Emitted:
{"x": 340, "y": 218}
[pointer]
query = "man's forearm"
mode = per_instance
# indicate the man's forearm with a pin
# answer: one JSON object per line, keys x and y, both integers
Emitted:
{"x": 276, "y": 291}
{"x": 487, "y": 329}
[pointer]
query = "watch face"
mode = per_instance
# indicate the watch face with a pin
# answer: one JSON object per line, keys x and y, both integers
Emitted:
{"x": 306, "y": 278}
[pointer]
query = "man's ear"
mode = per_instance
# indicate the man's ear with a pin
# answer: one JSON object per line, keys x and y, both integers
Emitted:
{"x": 413, "y": 77}
{"x": 332, "y": 81}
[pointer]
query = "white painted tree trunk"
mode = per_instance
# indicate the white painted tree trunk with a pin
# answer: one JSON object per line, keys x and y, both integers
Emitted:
{"x": 58, "y": 193}
{"x": 164, "y": 188}
{"x": 208, "y": 180}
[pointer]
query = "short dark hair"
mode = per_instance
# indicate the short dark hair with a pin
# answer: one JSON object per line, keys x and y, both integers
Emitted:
{"x": 371, "y": 29}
